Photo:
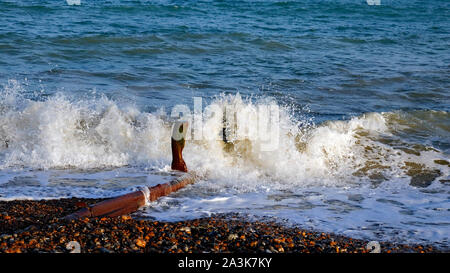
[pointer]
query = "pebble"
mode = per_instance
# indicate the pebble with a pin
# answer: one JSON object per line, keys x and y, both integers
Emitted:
{"x": 186, "y": 229}
{"x": 37, "y": 226}
{"x": 140, "y": 243}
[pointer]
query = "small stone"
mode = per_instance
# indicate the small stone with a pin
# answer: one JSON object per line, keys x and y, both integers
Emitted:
{"x": 273, "y": 249}
{"x": 141, "y": 243}
{"x": 105, "y": 250}
{"x": 5, "y": 237}
{"x": 186, "y": 229}
{"x": 126, "y": 217}
{"x": 441, "y": 162}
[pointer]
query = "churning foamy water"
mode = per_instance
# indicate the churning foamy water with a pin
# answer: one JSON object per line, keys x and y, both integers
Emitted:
{"x": 358, "y": 176}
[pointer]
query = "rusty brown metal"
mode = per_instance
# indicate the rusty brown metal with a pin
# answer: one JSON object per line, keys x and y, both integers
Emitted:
{"x": 177, "y": 143}
{"x": 131, "y": 202}
{"x": 172, "y": 186}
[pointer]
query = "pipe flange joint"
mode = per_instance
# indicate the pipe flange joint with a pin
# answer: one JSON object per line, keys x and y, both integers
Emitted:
{"x": 146, "y": 192}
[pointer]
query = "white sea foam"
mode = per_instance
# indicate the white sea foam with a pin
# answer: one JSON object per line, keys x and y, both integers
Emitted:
{"x": 351, "y": 176}
{"x": 98, "y": 133}
{"x": 73, "y": 2}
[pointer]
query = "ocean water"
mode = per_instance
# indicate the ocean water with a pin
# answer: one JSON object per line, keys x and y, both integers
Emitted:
{"x": 362, "y": 93}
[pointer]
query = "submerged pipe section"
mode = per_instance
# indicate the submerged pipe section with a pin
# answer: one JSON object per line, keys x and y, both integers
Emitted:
{"x": 131, "y": 202}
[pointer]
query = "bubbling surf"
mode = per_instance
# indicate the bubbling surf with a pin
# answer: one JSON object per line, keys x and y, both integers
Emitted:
{"x": 373, "y": 175}
{"x": 63, "y": 133}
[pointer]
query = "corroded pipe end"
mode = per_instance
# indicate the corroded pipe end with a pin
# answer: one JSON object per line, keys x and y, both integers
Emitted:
{"x": 178, "y": 141}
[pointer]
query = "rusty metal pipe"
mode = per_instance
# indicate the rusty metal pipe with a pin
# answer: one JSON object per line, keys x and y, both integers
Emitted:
{"x": 131, "y": 202}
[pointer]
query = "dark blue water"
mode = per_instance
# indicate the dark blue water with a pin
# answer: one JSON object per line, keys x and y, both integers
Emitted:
{"x": 339, "y": 57}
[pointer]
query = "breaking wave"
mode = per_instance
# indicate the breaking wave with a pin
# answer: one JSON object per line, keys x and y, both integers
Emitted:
{"x": 61, "y": 132}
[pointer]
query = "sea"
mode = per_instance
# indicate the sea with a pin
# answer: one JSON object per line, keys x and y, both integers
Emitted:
{"x": 331, "y": 115}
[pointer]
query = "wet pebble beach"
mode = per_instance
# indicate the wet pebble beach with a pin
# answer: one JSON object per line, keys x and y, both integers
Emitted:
{"x": 39, "y": 227}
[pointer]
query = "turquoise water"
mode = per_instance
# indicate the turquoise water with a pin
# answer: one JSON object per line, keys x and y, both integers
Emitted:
{"x": 364, "y": 145}
{"x": 338, "y": 57}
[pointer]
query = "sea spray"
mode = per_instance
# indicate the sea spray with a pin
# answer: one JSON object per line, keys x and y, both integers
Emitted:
{"x": 360, "y": 176}
{"x": 68, "y": 133}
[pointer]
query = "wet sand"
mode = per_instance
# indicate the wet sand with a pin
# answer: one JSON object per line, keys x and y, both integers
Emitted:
{"x": 38, "y": 227}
